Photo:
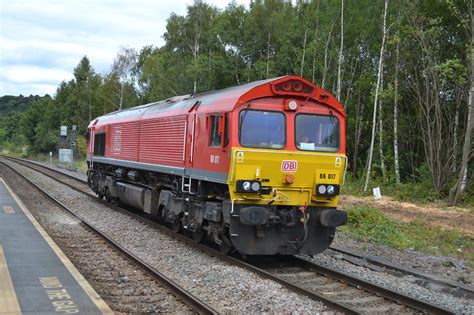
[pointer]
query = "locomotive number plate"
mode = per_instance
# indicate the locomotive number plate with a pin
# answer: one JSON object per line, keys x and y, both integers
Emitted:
{"x": 289, "y": 166}
{"x": 327, "y": 176}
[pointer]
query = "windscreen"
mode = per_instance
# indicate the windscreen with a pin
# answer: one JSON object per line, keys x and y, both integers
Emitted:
{"x": 262, "y": 129}
{"x": 317, "y": 132}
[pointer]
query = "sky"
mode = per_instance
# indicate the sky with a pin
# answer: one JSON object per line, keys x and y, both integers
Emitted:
{"x": 42, "y": 41}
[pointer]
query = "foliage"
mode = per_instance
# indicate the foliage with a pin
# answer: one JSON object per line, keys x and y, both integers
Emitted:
{"x": 10, "y": 103}
{"x": 416, "y": 189}
{"x": 371, "y": 225}
{"x": 81, "y": 147}
{"x": 207, "y": 49}
{"x": 37, "y": 125}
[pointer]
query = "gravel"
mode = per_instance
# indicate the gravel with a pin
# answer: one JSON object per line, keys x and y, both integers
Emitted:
{"x": 124, "y": 288}
{"x": 227, "y": 288}
{"x": 214, "y": 281}
{"x": 72, "y": 172}
{"x": 450, "y": 268}
{"x": 403, "y": 285}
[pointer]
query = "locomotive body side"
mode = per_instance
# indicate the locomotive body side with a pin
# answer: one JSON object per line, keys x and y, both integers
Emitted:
{"x": 244, "y": 166}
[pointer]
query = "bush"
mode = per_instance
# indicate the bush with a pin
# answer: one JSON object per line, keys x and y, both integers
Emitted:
{"x": 372, "y": 225}
{"x": 421, "y": 189}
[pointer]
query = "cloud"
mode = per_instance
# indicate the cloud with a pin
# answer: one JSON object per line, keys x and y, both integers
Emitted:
{"x": 33, "y": 74}
{"x": 42, "y": 41}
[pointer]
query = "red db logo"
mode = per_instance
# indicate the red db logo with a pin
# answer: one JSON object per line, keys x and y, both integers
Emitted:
{"x": 289, "y": 166}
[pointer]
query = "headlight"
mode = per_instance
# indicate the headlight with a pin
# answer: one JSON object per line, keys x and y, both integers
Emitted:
{"x": 329, "y": 190}
{"x": 248, "y": 186}
{"x": 322, "y": 189}
{"x": 255, "y": 186}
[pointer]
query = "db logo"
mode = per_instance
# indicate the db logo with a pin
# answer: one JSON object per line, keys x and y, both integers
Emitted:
{"x": 289, "y": 166}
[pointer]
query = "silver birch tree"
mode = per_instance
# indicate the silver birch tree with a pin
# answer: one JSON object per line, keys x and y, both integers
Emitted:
{"x": 379, "y": 76}
{"x": 458, "y": 189}
{"x": 339, "y": 62}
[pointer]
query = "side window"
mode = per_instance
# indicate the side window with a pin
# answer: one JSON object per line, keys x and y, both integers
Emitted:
{"x": 99, "y": 144}
{"x": 215, "y": 139}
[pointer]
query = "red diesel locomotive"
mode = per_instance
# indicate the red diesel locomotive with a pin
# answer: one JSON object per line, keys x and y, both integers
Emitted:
{"x": 256, "y": 168}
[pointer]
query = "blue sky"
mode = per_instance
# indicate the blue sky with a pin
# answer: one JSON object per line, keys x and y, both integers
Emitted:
{"x": 42, "y": 41}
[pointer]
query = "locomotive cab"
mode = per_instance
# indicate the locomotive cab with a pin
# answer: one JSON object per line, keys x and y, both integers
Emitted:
{"x": 286, "y": 172}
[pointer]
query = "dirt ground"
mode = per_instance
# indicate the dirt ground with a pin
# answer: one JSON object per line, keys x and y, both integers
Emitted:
{"x": 453, "y": 218}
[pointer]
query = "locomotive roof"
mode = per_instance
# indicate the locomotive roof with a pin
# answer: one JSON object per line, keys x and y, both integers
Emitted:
{"x": 226, "y": 99}
{"x": 203, "y": 97}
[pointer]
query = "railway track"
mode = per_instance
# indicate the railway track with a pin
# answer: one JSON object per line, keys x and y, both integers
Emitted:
{"x": 425, "y": 280}
{"x": 195, "y": 303}
{"x": 338, "y": 291}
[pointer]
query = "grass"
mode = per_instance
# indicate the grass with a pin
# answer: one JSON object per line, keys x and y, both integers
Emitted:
{"x": 421, "y": 192}
{"x": 371, "y": 225}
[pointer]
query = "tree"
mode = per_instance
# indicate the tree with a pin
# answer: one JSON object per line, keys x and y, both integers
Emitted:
{"x": 339, "y": 61}
{"x": 467, "y": 153}
{"x": 40, "y": 125}
{"x": 379, "y": 77}
{"x": 123, "y": 74}
{"x": 77, "y": 100}
{"x": 396, "y": 99}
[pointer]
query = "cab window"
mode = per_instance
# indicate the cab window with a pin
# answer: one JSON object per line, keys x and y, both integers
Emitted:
{"x": 215, "y": 139}
{"x": 262, "y": 129}
{"x": 317, "y": 132}
{"x": 99, "y": 144}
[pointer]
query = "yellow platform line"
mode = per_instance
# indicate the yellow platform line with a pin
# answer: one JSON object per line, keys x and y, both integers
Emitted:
{"x": 101, "y": 305}
{"x": 8, "y": 301}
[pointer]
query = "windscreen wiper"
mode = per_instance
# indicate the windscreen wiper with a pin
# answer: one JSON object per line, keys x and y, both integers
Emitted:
{"x": 242, "y": 119}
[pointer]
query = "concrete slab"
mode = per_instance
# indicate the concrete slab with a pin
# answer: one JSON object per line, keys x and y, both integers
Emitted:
{"x": 35, "y": 275}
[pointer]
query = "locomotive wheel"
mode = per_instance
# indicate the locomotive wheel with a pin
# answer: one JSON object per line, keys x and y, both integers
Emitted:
{"x": 108, "y": 198}
{"x": 198, "y": 236}
{"x": 225, "y": 246}
{"x": 177, "y": 226}
{"x": 160, "y": 216}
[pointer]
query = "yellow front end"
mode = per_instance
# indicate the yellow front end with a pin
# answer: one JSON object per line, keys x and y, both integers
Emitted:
{"x": 288, "y": 178}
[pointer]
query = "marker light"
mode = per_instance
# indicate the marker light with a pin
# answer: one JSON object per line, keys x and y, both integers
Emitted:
{"x": 322, "y": 189}
{"x": 255, "y": 186}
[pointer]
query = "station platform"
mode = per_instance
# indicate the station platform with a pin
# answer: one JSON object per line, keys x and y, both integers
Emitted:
{"x": 35, "y": 275}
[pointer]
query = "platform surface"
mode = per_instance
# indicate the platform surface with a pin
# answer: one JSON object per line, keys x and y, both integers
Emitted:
{"x": 35, "y": 275}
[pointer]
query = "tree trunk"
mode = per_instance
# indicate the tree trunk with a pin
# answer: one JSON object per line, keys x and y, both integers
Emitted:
{"x": 122, "y": 86}
{"x": 456, "y": 126}
{"x": 457, "y": 190}
{"x": 316, "y": 39}
{"x": 395, "y": 103}
{"x": 326, "y": 52}
{"x": 268, "y": 54}
{"x": 357, "y": 133}
{"x": 349, "y": 84}
{"x": 304, "y": 52}
{"x": 339, "y": 62}
{"x": 382, "y": 159}
{"x": 374, "y": 118}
